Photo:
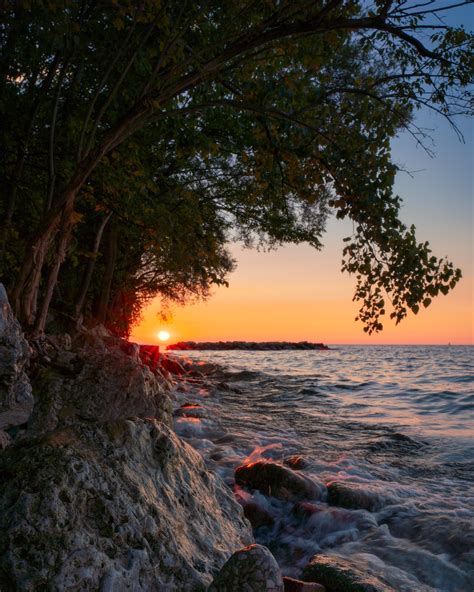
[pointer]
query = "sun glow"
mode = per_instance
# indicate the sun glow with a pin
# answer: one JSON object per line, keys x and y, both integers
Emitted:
{"x": 163, "y": 335}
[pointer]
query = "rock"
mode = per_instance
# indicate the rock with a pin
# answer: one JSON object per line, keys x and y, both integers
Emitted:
{"x": 305, "y": 509}
{"x": 292, "y": 585}
{"x": 172, "y": 366}
{"x": 338, "y": 574}
{"x": 99, "y": 331}
{"x": 353, "y": 496}
{"x": 61, "y": 341}
{"x": 16, "y": 398}
{"x": 121, "y": 505}
{"x": 278, "y": 481}
{"x": 108, "y": 385}
{"x": 252, "y": 569}
{"x": 5, "y": 440}
{"x": 245, "y": 345}
{"x": 257, "y": 516}
{"x": 295, "y": 462}
{"x": 150, "y": 355}
{"x": 199, "y": 369}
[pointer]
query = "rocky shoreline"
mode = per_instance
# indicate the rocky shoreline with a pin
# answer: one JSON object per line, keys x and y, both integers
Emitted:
{"x": 99, "y": 493}
{"x": 245, "y": 345}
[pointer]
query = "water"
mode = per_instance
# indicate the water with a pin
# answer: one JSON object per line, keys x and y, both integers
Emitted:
{"x": 394, "y": 421}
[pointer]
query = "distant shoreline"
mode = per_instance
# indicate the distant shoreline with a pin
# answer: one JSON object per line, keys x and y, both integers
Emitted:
{"x": 245, "y": 345}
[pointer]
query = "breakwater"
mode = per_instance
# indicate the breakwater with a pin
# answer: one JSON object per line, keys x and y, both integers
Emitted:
{"x": 246, "y": 345}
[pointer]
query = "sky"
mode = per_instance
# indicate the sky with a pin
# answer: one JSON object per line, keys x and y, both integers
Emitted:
{"x": 297, "y": 293}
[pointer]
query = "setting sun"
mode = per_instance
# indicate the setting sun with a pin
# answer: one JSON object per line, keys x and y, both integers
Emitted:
{"x": 163, "y": 335}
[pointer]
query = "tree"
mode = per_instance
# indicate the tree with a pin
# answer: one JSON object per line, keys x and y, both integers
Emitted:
{"x": 272, "y": 111}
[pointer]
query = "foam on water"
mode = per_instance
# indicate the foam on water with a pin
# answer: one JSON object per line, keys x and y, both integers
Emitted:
{"x": 393, "y": 422}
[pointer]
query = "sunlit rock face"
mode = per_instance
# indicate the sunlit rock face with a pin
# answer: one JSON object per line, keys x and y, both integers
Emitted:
{"x": 278, "y": 481}
{"x": 95, "y": 383}
{"x": 16, "y": 399}
{"x": 97, "y": 492}
{"x": 122, "y": 505}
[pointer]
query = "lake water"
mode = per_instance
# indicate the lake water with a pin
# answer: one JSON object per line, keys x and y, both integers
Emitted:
{"x": 395, "y": 421}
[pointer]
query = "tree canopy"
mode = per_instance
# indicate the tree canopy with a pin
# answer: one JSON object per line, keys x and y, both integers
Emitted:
{"x": 140, "y": 138}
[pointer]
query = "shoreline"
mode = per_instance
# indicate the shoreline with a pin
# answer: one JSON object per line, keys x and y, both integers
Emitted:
{"x": 345, "y": 501}
{"x": 92, "y": 461}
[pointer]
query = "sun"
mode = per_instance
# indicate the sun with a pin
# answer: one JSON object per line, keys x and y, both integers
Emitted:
{"x": 163, "y": 335}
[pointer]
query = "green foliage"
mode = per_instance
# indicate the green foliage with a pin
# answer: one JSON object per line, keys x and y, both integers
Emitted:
{"x": 190, "y": 124}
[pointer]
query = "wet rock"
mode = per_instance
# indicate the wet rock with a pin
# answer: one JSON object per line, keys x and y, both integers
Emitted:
{"x": 172, "y": 366}
{"x": 305, "y": 509}
{"x": 257, "y": 516}
{"x": 278, "y": 481}
{"x": 292, "y": 585}
{"x": 295, "y": 462}
{"x": 338, "y": 574}
{"x": 108, "y": 385}
{"x": 199, "y": 369}
{"x": 353, "y": 496}
{"x": 121, "y": 505}
{"x": 252, "y": 569}
{"x": 16, "y": 398}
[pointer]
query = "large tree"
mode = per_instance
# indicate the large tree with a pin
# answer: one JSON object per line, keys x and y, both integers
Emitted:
{"x": 273, "y": 112}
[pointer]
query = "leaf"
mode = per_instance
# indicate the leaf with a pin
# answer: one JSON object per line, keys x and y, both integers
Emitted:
{"x": 76, "y": 217}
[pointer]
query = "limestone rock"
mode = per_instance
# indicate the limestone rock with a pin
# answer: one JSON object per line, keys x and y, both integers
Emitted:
{"x": 102, "y": 384}
{"x": 278, "y": 481}
{"x": 122, "y": 505}
{"x": 252, "y": 569}
{"x": 354, "y": 496}
{"x": 16, "y": 399}
{"x": 338, "y": 574}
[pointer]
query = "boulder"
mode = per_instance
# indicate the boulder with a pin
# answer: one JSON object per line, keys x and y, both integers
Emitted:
{"x": 292, "y": 585}
{"x": 295, "y": 462}
{"x": 278, "y": 481}
{"x": 172, "y": 366}
{"x": 121, "y": 505}
{"x": 252, "y": 569}
{"x": 106, "y": 384}
{"x": 355, "y": 497}
{"x": 305, "y": 510}
{"x": 16, "y": 398}
{"x": 257, "y": 516}
{"x": 338, "y": 574}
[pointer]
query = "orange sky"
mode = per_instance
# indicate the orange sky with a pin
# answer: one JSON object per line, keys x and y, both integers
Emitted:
{"x": 271, "y": 299}
{"x": 297, "y": 293}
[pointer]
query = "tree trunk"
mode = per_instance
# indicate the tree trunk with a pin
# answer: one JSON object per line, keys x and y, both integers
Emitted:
{"x": 109, "y": 274}
{"x": 64, "y": 235}
{"x": 25, "y": 291}
{"x": 90, "y": 268}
